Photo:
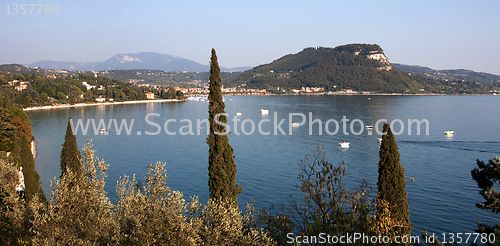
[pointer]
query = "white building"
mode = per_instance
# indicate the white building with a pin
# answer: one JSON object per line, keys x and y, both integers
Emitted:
{"x": 100, "y": 99}
{"x": 88, "y": 86}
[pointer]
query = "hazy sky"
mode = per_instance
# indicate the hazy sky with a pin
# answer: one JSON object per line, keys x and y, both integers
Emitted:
{"x": 436, "y": 34}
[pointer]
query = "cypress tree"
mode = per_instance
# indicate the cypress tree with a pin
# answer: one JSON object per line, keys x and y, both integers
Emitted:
{"x": 221, "y": 165}
{"x": 31, "y": 177}
{"x": 392, "y": 185}
{"x": 70, "y": 155}
{"x": 6, "y": 101}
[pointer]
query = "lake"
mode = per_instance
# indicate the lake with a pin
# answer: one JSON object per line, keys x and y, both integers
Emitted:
{"x": 442, "y": 198}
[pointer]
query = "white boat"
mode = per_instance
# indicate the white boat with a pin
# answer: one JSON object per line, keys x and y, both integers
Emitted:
{"x": 103, "y": 130}
{"x": 449, "y": 133}
{"x": 197, "y": 98}
{"x": 295, "y": 124}
{"x": 344, "y": 144}
{"x": 264, "y": 111}
{"x": 193, "y": 98}
{"x": 369, "y": 127}
{"x": 379, "y": 140}
{"x": 238, "y": 113}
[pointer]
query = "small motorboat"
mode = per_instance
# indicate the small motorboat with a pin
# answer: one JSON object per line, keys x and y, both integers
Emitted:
{"x": 379, "y": 140}
{"x": 344, "y": 144}
{"x": 238, "y": 113}
{"x": 295, "y": 124}
{"x": 449, "y": 133}
{"x": 104, "y": 130}
{"x": 369, "y": 127}
{"x": 264, "y": 111}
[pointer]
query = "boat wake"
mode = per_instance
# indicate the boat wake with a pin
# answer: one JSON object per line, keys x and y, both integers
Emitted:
{"x": 491, "y": 147}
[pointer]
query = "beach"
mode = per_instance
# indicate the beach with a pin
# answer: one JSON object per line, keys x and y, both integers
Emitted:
{"x": 76, "y": 105}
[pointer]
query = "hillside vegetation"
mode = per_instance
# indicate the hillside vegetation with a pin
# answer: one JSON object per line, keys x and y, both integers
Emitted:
{"x": 133, "y": 76}
{"x": 49, "y": 87}
{"x": 163, "y": 78}
{"x": 450, "y": 74}
{"x": 360, "y": 67}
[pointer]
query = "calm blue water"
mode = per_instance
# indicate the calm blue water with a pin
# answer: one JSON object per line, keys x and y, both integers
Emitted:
{"x": 442, "y": 198}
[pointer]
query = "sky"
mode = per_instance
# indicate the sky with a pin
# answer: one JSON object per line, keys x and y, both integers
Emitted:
{"x": 436, "y": 34}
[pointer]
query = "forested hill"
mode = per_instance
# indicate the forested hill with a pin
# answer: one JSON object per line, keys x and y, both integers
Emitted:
{"x": 31, "y": 87}
{"x": 450, "y": 74}
{"x": 360, "y": 67}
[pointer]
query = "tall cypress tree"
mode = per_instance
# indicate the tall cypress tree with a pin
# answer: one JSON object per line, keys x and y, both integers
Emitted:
{"x": 31, "y": 177}
{"x": 392, "y": 184}
{"x": 70, "y": 155}
{"x": 221, "y": 165}
{"x": 6, "y": 101}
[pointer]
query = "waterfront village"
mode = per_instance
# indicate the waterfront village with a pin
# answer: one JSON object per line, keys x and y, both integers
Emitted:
{"x": 151, "y": 90}
{"x": 240, "y": 90}
{"x": 91, "y": 90}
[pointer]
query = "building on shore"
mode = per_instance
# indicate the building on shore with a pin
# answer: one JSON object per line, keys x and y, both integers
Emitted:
{"x": 150, "y": 95}
{"x": 100, "y": 99}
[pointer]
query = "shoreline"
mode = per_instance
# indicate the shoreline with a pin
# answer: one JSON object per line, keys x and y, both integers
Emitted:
{"x": 331, "y": 94}
{"x": 343, "y": 94}
{"x": 76, "y": 105}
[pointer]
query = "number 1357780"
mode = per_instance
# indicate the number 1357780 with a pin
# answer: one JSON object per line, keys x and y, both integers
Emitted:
{"x": 14, "y": 9}
{"x": 464, "y": 238}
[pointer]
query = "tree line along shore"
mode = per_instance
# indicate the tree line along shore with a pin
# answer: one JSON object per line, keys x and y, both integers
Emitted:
{"x": 76, "y": 105}
{"x": 31, "y": 91}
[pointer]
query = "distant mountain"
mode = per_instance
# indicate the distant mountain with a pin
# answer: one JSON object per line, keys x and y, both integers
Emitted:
{"x": 360, "y": 67}
{"x": 143, "y": 60}
{"x": 450, "y": 74}
{"x": 80, "y": 66}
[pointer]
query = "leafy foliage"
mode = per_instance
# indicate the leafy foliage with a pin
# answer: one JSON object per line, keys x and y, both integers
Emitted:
{"x": 21, "y": 121}
{"x": 222, "y": 223}
{"x": 327, "y": 206}
{"x": 13, "y": 121}
{"x": 78, "y": 213}
{"x": 146, "y": 214}
{"x": 11, "y": 219}
{"x": 15, "y": 139}
{"x": 152, "y": 214}
{"x": 486, "y": 176}
{"x": 68, "y": 88}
